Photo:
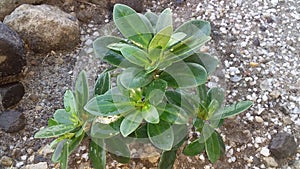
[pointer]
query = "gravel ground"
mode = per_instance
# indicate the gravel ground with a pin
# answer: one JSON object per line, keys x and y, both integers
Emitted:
{"x": 257, "y": 42}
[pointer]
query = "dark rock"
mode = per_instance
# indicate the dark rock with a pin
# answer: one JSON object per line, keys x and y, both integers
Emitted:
{"x": 263, "y": 28}
{"x": 12, "y": 52}
{"x": 12, "y": 121}
{"x": 36, "y": 23}
{"x": 256, "y": 42}
{"x": 11, "y": 94}
{"x": 283, "y": 145}
{"x": 137, "y": 5}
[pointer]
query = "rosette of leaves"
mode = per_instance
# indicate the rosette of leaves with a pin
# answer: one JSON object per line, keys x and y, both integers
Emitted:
{"x": 70, "y": 125}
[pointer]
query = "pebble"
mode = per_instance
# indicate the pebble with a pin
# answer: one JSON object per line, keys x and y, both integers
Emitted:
{"x": 270, "y": 161}
{"x": 265, "y": 151}
{"x": 40, "y": 165}
{"x": 258, "y": 119}
{"x": 6, "y": 161}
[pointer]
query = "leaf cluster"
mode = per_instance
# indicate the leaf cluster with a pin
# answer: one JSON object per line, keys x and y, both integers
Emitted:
{"x": 162, "y": 85}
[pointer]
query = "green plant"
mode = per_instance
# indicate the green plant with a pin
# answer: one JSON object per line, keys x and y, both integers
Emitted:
{"x": 160, "y": 89}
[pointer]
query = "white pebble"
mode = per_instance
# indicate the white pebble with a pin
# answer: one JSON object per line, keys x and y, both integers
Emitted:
{"x": 258, "y": 119}
{"x": 265, "y": 151}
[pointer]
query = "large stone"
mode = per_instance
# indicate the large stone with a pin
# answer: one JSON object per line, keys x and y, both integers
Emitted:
{"x": 7, "y": 6}
{"x": 11, "y": 94}
{"x": 12, "y": 52}
{"x": 12, "y": 121}
{"x": 45, "y": 27}
{"x": 283, "y": 145}
{"x": 6, "y": 161}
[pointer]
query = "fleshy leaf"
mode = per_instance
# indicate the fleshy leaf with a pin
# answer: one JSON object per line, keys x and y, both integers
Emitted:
{"x": 135, "y": 55}
{"x": 176, "y": 38}
{"x": 130, "y": 123}
{"x": 58, "y": 151}
{"x": 161, "y": 39}
{"x": 135, "y": 78}
{"x": 161, "y": 135}
{"x": 102, "y": 131}
{"x": 236, "y": 108}
{"x": 209, "y": 62}
{"x": 69, "y": 102}
{"x": 174, "y": 114}
{"x": 111, "y": 56}
{"x": 131, "y": 25}
{"x": 155, "y": 91}
{"x": 150, "y": 114}
{"x": 194, "y": 148}
{"x": 81, "y": 90}
{"x": 97, "y": 155}
{"x": 63, "y": 161}
{"x": 54, "y": 131}
{"x": 213, "y": 147}
{"x": 164, "y": 20}
{"x": 102, "y": 84}
{"x": 63, "y": 117}
{"x": 118, "y": 149}
{"x": 152, "y": 17}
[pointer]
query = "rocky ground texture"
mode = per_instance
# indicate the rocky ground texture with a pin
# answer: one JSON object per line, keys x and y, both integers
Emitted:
{"x": 257, "y": 43}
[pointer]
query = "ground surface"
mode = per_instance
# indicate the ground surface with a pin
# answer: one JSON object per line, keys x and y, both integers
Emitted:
{"x": 257, "y": 43}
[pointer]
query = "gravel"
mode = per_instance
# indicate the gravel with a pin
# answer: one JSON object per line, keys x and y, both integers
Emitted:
{"x": 257, "y": 43}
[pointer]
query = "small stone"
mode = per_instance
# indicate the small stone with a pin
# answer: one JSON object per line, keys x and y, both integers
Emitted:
{"x": 11, "y": 93}
{"x": 265, "y": 151}
{"x": 258, "y": 119}
{"x": 270, "y": 161}
{"x": 12, "y": 121}
{"x": 6, "y": 161}
{"x": 236, "y": 78}
{"x": 19, "y": 164}
{"x": 275, "y": 94}
{"x": 263, "y": 28}
{"x": 283, "y": 145}
{"x": 253, "y": 64}
{"x": 256, "y": 42}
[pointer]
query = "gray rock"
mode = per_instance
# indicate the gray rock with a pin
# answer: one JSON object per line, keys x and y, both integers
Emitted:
{"x": 12, "y": 52}
{"x": 12, "y": 121}
{"x": 6, "y": 161}
{"x": 11, "y": 94}
{"x": 7, "y": 6}
{"x": 41, "y": 165}
{"x": 283, "y": 145}
{"x": 45, "y": 27}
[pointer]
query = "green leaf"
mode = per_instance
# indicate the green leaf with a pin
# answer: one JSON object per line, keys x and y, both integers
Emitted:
{"x": 150, "y": 114}
{"x": 131, "y": 25}
{"x": 168, "y": 158}
{"x": 176, "y": 38}
{"x": 217, "y": 94}
{"x": 108, "y": 105}
{"x": 195, "y": 28}
{"x": 111, "y": 56}
{"x": 52, "y": 122}
{"x": 63, "y": 117}
{"x": 75, "y": 142}
{"x": 54, "y": 131}
{"x": 97, "y": 155}
{"x": 152, "y": 17}
{"x": 174, "y": 114}
{"x": 236, "y": 108}
{"x": 213, "y": 147}
{"x": 118, "y": 149}
{"x": 81, "y": 90}
{"x": 202, "y": 93}
{"x": 189, "y": 74}
{"x": 213, "y": 107}
{"x": 197, "y": 33}
{"x": 102, "y": 131}
{"x": 103, "y": 83}
{"x": 161, "y": 39}
{"x": 209, "y": 62}
{"x": 63, "y": 161}
{"x": 135, "y": 55}
{"x": 130, "y": 123}
{"x": 70, "y": 102}
{"x": 58, "y": 151}
{"x": 164, "y": 20}
{"x": 198, "y": 124}
{"x": 140, "y": 132}
{"x": 194, "y": 148}
{"x": 155, "y": 91}
{"x": 134, "y": 78}
{"x": 161, "y": 135}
